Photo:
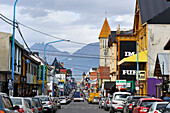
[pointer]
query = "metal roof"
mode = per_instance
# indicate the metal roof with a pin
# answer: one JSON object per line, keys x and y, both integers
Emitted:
{"x": 150, "y": 8}
{"x": 164, "y": 59}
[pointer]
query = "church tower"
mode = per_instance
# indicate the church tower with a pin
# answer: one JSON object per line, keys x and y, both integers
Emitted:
{"x": 104, "y": 49}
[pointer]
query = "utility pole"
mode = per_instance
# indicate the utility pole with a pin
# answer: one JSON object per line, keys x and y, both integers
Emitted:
{"x": 13, "y": 48}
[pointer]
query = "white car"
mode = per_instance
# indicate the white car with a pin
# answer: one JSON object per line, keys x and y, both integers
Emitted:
{"x": 31, "y": 104}
{"x": 47, "y": 103}
{"x": 23, "y": 105}
{"x": 63, "y": 100}
{"x": 118, "y": 101}
{"x": 156, "y": 106}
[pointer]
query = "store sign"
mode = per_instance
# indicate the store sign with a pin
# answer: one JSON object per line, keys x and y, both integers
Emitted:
{"x": 120, "y": 84}
{"x": 129, "y": 72}
{"x": 40, "y": 74}
{"x": 142, "y": 75}
{"x": 127, "y": 54}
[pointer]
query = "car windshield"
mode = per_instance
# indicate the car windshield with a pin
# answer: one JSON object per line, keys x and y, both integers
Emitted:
{"x": 29, "y": 102}
{"x": 148, "y": 103}
{"x": 36, "y": 101}
{"x": 96, "y": 98}
{"x": 44, "y": 98}
{"x": 160, "y": 106}
{"x": 121, "y": 96}
{"x": 16, "y": 101}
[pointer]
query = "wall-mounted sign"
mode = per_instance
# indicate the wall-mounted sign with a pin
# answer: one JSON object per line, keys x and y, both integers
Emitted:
{"x": 128, "y": 48}
{"x": 40, "y": 74}
{"x": 127, "y": 72}
{"x": 142, "y": 75}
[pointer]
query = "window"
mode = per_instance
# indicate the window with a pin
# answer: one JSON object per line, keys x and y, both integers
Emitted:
{"x": 7, "y": 103}
{"x": 16, "y": 101}
{"x": 160, "y": 106}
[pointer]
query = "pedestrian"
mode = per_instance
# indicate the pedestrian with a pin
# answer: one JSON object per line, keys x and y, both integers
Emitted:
{"x": 153, "y": 96}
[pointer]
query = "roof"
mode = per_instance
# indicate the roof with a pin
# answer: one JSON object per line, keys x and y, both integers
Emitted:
{"x": 150, "y": 8}
{"x": 164, "y": 59}
{"x": 112, "y": 38}
{"x": 161, "y": 18}
{"x": 167, "y": 46}
{"x": 105, "y": 32}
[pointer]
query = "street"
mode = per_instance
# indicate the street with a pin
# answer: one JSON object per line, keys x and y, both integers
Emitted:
{"x": 81, "y": 107}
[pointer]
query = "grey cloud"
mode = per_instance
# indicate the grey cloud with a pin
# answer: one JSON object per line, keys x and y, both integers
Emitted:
{"x": 33, "y": 12}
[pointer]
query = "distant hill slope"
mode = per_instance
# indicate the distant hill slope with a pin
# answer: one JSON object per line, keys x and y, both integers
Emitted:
{"x": 82, "y": 60}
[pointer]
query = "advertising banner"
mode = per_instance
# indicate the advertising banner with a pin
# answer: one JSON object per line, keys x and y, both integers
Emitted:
{"x": 40, "y": 74}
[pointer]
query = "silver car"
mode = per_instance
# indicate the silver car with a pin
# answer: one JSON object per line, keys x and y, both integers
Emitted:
{"x": 47, "y": 103}
{"x": 31, "y": 104}
{"x": 102, "y": 102}
{"x": 23, "y": 105}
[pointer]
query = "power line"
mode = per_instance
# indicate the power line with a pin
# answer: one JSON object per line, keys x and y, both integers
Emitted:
{"x": 23, "y": 38}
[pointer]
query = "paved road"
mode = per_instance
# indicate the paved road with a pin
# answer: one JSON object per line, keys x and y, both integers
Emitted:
{"x": 80, "y": 107}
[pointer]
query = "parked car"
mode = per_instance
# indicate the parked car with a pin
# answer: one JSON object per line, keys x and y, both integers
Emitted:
{"x": 156, "y": 106}
{"x": 131, "y": 101}
{"x": 107, "y": 103}
{"x": 63, "y": 100}
{"x": 47, "y": 103}
{"x": 57, "y": 101}
{"x": 95, "y": 100}
{"x": 101, "y": 102}
{"x": 31, "y": 104}
{"x": 23, "y": 105}
{"x": 143, "y": 104}
{"x": 38, "y": 104}
{"x": 118, "y": 101}
{"x": 6, "y": 105}
{"x": 166, "y": 110}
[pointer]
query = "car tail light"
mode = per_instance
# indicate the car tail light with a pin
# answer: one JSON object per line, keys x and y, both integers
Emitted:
{"x": 20, "y": 110}
{"x": 130, "y": 106}
{"x": 155, "y": 112}
{"x": 32, "y": 109}
{"x": 119, "y": 107}
{"x": 107, "y": 101}
{"x": 2, "y": 111}
{"x": 39, "y": 109}
{"x": 102, "y": 102}
{"x": 49, "y": 102}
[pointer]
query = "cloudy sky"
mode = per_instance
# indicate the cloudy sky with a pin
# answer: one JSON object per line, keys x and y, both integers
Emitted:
{"x": 77, "y": 20}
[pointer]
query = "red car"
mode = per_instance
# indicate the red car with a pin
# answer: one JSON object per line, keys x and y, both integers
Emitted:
{"x": 143, "y": 104}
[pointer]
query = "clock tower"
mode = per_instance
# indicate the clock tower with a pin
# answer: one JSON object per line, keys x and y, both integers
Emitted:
{"x": 104, "y": 49}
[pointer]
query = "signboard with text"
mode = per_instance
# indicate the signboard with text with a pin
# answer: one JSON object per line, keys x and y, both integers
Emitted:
{"x": 40, "y": 74}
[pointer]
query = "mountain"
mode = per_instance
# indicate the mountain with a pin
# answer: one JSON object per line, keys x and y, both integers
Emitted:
{"x": 82, "y": 60}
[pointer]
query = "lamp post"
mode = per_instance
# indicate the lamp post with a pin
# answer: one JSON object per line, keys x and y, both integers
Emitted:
{"x": 13, "y": 44}
{"x": 138, "y": 66}
{"x": 60, "y": 76}
{"x": 44, "y": 61}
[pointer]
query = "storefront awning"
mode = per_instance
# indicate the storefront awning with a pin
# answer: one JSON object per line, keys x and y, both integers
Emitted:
{"x": 142, "y": 58}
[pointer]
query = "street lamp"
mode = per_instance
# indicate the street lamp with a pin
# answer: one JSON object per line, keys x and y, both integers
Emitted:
{"x": 60, "y": 75}
{"x": 54, "y": 74}
{"x": 13, "y": 44}
{"x": 44, "y": 61}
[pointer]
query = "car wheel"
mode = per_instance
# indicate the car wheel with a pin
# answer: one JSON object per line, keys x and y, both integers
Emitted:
{"x": 59, "y": 107}
{"x": 99, "y": 106}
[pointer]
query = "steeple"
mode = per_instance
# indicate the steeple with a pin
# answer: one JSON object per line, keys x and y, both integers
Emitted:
{"x": 105, "y": 32}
